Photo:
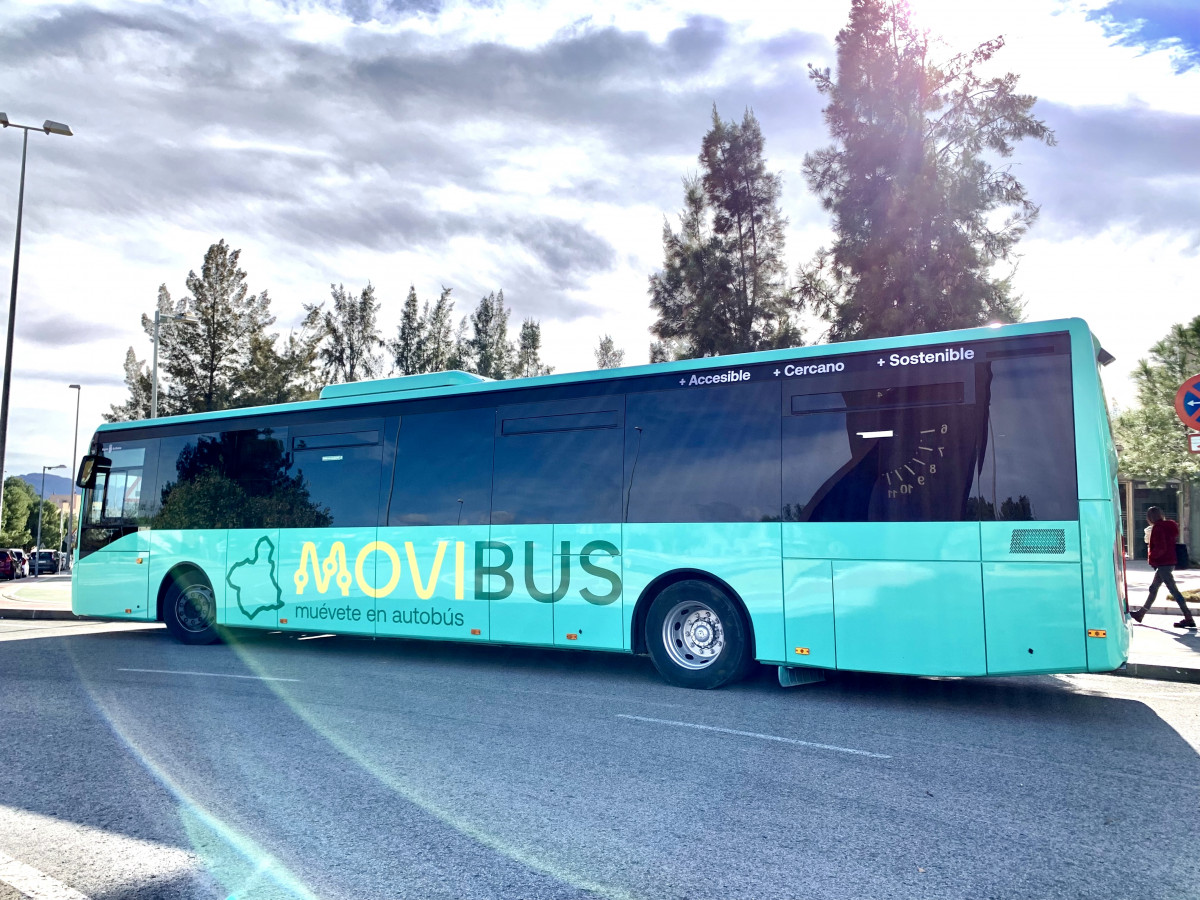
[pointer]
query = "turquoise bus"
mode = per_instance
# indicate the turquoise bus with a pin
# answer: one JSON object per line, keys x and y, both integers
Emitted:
{"x": 938, "y": 505}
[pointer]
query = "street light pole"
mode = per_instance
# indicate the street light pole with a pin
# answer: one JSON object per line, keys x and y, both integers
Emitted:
{"x": 50, "y": 128}
{"x": 37, "y": 545}
{"x": 71, "y": 502}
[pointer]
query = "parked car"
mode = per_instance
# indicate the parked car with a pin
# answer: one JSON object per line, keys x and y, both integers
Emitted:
{"x": 7, "y": 567}
{"x": 45, "y": 562}
{"x": 20, "y": 561}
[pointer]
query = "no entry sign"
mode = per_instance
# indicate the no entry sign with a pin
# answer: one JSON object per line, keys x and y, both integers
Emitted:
{"x": 1187, "y": 402}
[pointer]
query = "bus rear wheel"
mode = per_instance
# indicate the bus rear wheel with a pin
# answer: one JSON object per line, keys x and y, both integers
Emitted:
{"x": 696, "y": 636}
{"x": 190, "y": 611}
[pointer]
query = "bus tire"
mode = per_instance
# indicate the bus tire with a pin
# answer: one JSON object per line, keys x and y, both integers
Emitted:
{"x": 696, "y": 636}
{"x": 190, "y": 610}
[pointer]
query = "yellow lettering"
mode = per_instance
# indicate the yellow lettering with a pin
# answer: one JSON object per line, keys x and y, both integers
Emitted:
{"x": 323, "y": 572}
{"x": 460, "y": 550}
{"x": 425, "y": 592}
{"x": 359, "y": 564}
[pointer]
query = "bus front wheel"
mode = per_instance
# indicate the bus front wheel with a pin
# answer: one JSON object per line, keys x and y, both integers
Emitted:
{"x": 190, "y": 611}
{"x": 696, "y": 636}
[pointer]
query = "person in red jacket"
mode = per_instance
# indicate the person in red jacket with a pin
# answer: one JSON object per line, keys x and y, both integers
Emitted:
{"x": 1163, "y": 535}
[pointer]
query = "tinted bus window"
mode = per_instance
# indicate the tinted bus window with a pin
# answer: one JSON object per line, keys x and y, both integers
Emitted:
{"x": 558, "y": 462}
{"x": 193, "y": 489}
{"x": 883, "y": 464}
{"x": 703, "y": 454}
{"x": 1027, "y": 470}
{"x": 443, "y": 469}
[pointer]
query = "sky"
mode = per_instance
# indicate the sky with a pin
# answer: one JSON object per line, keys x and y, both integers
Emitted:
{"x": 533, "y": 147}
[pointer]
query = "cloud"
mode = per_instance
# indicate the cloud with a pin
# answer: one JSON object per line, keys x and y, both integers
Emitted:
{"x": 59, "y": 329}
{"x": 1172, "y": 25}
{"x": 241, "y": 128}
{"x": 1115, "y": 166}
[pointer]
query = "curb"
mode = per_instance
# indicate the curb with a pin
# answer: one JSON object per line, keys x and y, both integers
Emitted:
{"x": 1158, "y": 673}
{"x": 60, "y": 614}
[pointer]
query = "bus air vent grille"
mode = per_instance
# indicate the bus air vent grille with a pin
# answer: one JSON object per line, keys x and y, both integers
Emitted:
{"x": 1038, "y": 540}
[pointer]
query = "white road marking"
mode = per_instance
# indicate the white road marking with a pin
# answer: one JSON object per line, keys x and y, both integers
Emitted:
{"x": 208, "y": 674}
{"x": 755, "y": 734}
{"x": 126, "y": 862}
{"x": 33, "y": 884}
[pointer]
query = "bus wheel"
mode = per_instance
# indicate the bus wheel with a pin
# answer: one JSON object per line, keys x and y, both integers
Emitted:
{"x": 696, "y": 636}
{"x": 190, "y": 611}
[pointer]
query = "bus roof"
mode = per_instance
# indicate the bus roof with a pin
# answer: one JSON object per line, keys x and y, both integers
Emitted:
{"x": 443, "y": 384}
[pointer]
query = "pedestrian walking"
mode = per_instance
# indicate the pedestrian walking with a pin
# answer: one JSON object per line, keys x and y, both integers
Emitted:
{"x": 1163, "y": 535}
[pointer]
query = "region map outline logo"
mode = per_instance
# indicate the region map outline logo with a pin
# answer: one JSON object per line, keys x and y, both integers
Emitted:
{"x": 251, "y": 562}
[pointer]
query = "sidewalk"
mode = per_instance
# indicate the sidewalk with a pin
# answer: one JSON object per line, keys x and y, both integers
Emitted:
{"x": 44, "y": 597}
{"x": 1158, "y": 651}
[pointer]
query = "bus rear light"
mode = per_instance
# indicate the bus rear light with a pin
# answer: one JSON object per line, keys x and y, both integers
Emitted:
{"x": 476, "y": 631}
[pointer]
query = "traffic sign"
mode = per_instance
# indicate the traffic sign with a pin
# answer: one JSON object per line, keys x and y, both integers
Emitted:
{"x": 1194, "y": 443}
{"x": 1187, "y": 402}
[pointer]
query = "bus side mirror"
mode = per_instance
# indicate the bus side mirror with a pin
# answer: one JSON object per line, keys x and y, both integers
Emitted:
{"x": 88, "y": 468}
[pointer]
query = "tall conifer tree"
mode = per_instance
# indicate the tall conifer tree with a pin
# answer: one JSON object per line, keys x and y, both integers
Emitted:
{"x": 529, "y": 362}
{"x": 911, "y": 183}
{"x": 350, "y": 335}
{"x": 408, "y": 347}
{"x": 491, "y": 354}
{"x": 722, "y": 288}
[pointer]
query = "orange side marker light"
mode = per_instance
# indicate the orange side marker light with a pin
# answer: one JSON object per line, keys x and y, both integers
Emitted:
{"x": 1097, "y": 632}
{"x": 802, "y": 651}
{"x": 476, "y": 631}
{"x": 283, "y": 621}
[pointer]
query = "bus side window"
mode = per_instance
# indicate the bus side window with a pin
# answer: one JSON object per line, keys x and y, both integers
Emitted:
{"x": 558, "y": 461}
{"x": 706, "y": 454}
{"x": 337, "y": 468}
{"x": 896, "y": 452}
{"x": 443, "y": 469}
{"x": 1027, "y": 470}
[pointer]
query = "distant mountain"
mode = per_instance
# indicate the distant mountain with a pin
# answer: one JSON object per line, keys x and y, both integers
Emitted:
{"x": 55, "y": 483}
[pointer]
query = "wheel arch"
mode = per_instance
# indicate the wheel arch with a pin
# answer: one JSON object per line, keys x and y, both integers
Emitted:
{"x": 665, "y": 580}
{"x": 178, "y": 574}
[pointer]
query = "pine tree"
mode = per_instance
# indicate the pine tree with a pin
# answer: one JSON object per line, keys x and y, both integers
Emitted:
{"x": 203, "y": 366}
{"x": 282, "y": 374}
{"x": 349, "y": 335}
{"x": 908, "y": 180}
{"x": 490, "y": 353}
{"x": 607, "y": 354}
{"x": 408, "y": 348}
{"x": 529, "y": 363}
{"x": 438, "y": 338}
{"x": 137, "y": 379}
{"x": 722, "y": 286}
{"x": 459, "y": 357}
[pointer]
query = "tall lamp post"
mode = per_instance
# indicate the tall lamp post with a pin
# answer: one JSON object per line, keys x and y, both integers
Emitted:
{"x": 164, "y": 317}
{"x": 37, "y": 545}
{"x": 50, "y": 128}
{"x": 74, "y": 450}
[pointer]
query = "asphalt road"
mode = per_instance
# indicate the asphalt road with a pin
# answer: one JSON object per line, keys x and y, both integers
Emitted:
{"x": 283, "y": 767}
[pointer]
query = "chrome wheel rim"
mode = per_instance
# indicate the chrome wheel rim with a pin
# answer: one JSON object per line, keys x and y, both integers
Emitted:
{"x": 693, "y": 635}
{"x": 196, "y": 609}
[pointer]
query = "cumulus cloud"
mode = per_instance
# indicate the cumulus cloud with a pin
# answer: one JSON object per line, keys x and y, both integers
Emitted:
{"x": 1135, "y": 168}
